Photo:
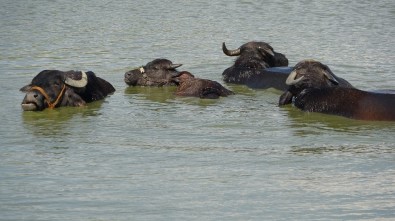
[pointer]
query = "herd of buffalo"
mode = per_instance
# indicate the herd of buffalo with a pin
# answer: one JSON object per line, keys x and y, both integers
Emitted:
{"x": 310, "y": 85}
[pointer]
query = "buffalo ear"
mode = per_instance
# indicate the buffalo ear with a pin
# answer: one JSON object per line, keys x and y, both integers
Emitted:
{"x": 267, "y": 51}
{"x": 26, "y": 88}
{"x": 175, "y": 77}
{"x": 330, "y": 75}
{"x": 280, "y": 59}
{"x": 335, "y": 82}
{"x": 331, "y": 78}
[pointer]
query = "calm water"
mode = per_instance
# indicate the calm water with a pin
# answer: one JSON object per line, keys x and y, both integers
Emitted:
{"x": 143, "y": 154}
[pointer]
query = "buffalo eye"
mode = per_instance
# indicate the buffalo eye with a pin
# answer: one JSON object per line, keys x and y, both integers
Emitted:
{"x": 56, "y": 82}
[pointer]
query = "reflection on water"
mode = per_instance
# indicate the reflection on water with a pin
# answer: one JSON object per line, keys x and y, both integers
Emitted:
{"x": 55, "y": 122}
{"x": 241, "y": 89}
{"x": 165, "y": 95}
{"x": 156, "y": 94}
{"x": 351, "y": 149}
{"x": 145, "y": 154}
{"x": 306, "y": 123}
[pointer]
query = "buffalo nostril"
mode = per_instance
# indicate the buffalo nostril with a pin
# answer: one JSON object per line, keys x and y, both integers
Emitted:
{"x": 35, "y": 95}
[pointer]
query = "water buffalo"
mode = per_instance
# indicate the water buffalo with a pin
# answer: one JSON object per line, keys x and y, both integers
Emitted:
{"x": 347, "y": 102}
{"x": 54, "y": 88}
{"x": 319, "y": 91}
{"x": 310, "y": 73}
{"x": 188, "y": 85}
{"x": 158, "y": 72}
{"x": 249, "y": 67}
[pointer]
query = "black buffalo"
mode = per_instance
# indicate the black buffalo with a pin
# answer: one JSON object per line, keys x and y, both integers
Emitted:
{"x": 158, "y": 72}
{"x": 249, "y": 68}
{"x": 188, "y": 85}
{"x": 307, "y": 74}
{"x": 54, "y": 88}
{"x": 319, "y": 91}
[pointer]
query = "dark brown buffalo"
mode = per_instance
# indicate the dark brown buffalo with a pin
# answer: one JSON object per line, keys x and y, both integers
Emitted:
{"x": 249, "y": 67}
{"x": 307, "y": 74}
{"x": 347, "y": 102}
{"x": 158, "y": 72}
{"x": 188, "y": 85}
{"x": 315, "y": 89}
{"x": 54, "y": 88}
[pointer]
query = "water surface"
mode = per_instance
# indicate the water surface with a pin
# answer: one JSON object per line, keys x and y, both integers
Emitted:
{"x": 144, "y": 154}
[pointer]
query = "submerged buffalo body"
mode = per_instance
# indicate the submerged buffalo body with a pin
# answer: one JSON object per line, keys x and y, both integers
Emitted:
{"x": 310, "y": 74}
{"x": 314, "y": 88}
{"x": 188, "y": 85}
{"x": 348, "y": 102}
{"x": 158, "y": 72}
{"x": 54, "y": 88}
{"x": 249, "y": 67}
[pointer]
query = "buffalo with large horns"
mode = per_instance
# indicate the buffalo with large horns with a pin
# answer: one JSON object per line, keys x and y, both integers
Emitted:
{"x": 54, "y": 88}
{"x": 252, "y": 67}
{"x": 158, "y": 72}
{"x": 315, "y": 89}
{"x": 310, "y": 73}
{"x": 190, "y": 86}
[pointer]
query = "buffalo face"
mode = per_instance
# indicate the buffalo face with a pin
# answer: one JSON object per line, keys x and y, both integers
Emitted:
{"x": 310, "y": 74}
{"x": 253, "y": 57}
{"x": 158, "y": 72}
{"x": 53, "y": 88}
{"x": 33, "y": 101}
{"x": 48, "y": 88}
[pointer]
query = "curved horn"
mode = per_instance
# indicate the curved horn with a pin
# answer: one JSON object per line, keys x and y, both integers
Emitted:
{"x": 174, "y": 66}
{"x": 269, "y": 51}
{"x": 235, "y": 52}
{"x": 77, "y": 83}
{"x": 291, "y": 79}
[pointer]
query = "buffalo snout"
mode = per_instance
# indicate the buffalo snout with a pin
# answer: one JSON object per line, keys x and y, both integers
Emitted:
{"x": 33, "y": 101}
{"x": 132, "y": 77}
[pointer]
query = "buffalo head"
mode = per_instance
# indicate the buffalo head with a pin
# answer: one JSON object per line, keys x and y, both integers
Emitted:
{"x": 253, "y": 58}
{"x": 158, "y": 72}
{"x": 188, "y": 85}
{"x": 54, "y": 88}
{"x": 310, "y": 74}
